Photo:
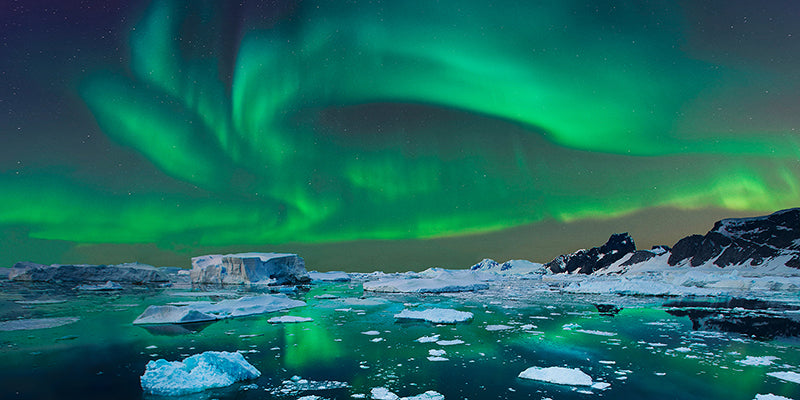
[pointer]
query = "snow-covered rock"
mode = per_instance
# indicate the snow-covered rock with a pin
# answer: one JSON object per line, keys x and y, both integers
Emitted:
{"x": 200, "y": 310}
{"x": 431, "y": 281}
{"x": 128, "y": 273}
{"x": 199, "y": 372}
{"x": 596, "y": 258}
{"x": 522, "y": 269}
{"x": 436, "y": 315}
{"x": 246, "y": 268}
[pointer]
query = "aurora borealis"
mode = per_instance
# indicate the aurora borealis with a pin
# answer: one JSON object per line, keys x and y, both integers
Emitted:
{"x": 389, "y": 133}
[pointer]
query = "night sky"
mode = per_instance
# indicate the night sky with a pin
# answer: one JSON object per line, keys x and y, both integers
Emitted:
{"x": 389, "y": 135}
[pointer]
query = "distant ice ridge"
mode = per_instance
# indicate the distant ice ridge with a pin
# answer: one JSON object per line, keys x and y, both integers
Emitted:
{"x": 434, "y": 280}
{"x": 436, "y": 315}
{"x": 199, "y": 372}
{"x": 522, "y": 269}
{"x": 207, "y": 311}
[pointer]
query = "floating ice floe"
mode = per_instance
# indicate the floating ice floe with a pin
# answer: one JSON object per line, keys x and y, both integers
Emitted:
{"x": 449, "y": 342}
{"x": 326, "y": 296}
{"x": 499, "y": 327}
{"x": 199, "y": 372}
{"x": 382, "y": 393}
{"x": 595, "y": 332}
{"x": 208, "y": 311}
{"x": 36, "y": 323}
{"x": 562, "y": 376}
{"x": 428, "y": 339}
{"x": 436, "y": 281}
{"x": 788, "y": 376}
{"x": 371, "y": 333}
{"x": 436, "y": 315}
{"x": 757, "y": 361}
{"x": 288, "y": 319}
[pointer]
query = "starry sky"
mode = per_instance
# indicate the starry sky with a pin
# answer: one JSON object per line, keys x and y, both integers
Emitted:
{"x": 392, "y": 135}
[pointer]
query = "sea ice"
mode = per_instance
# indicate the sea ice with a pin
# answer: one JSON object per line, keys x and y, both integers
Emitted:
{"x": 36, "y": 323}
{"x": 436, "y": 352}
{"x": 449, "y": 342}
{"x": 224, "y": 309}
{"x": 428, "y": 339}
{"x": 439, "y": 281}
{"x": 788, "y": 376}
{"x": 436, "y": 315}
{"x": 558, "y": 375}
{"x": 757, "y": 361}
{"x": 196, "y": 373}
{"x": 288, "y": 319}
{"x": 371, "y": 333}
{"x": 500, "y": 327}
{"x": 597, "y": 333}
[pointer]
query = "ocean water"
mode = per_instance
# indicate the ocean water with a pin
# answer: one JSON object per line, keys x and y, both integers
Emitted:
{"x": 651, "y": 348}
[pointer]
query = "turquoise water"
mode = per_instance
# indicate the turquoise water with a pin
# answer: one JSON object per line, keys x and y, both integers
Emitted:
{"x": 644, "y": 350}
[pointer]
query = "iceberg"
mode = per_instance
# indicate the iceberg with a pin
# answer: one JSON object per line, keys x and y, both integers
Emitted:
{"x": 199, "y": 372}
{"x": 436, "y": 315}
{"x": 208, "y": 311}
{"x": 247, "y": 268}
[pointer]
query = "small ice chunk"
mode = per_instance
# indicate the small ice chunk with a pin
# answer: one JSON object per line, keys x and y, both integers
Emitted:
{"x": 757, "y": 361}
{"x": 558, "y": 375}
{"x": 36, "y": 323}
{"x": 788, "y": 376}
{"x": 601, "y": 385}
{"x": 376, "y": 340}
{"x": 436, "y": 315}
{"x": 428, "y": 339}
{"x": 597, "y": 333}
{"x": 607, "y": 362}
{"x": 435, "y": 352}
{"x": 326, "y": 296}
{"x": 449, "y": 342}
{"x": 438, "y": 358}
{"x": 429, "y": 395}
{"x": 499, "y": 327}
{"x": 528, "y": 327}
{"x": 371, "y": 333}
{"x": 196, "y": 373}
{"x": 288, "y": 319}
{"x": 682, "y": 349}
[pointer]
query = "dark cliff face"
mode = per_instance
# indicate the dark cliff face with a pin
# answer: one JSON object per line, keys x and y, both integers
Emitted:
{"x": 596, "y": 258}
{"x": 744, "y": 240}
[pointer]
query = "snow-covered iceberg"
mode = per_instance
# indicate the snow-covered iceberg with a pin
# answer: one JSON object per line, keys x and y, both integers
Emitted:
{"x": 562, "y": 376}
{"x": 199, "y": 372}
{"x": 246, "y": 268}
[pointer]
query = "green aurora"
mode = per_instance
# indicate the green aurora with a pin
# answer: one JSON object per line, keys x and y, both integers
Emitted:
{"x": 269, "y": 125}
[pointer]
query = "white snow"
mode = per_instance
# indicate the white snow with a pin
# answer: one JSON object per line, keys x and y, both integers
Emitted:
{"x": 558, "y": 375}
{"x": 436, "y": 315}
{"x": 788, "y": 376}
{"x": 288, "y": 319}
{"x": 757, "y": 361}
{"x": 196, "y": 373}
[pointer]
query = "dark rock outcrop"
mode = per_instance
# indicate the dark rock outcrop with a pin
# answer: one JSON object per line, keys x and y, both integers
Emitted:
{"x": 744, "y": 240}
{"x": 245, "y": 268}
{"x": 127, "y": 273}
{"x": 588, "y": 261}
